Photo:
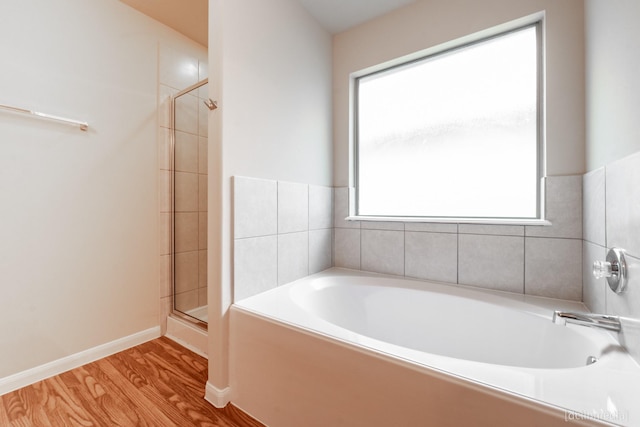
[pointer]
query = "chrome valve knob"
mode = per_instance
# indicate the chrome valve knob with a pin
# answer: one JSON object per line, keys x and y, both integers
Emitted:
{"x": 602, "y": 269}
{"x": 614, "y": 269}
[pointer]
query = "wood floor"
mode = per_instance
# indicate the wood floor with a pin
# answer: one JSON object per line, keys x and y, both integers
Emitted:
{"x": 155, "y": 384}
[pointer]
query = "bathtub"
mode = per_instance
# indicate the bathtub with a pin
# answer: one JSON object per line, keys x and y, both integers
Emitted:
{"x": 339, "y": 347}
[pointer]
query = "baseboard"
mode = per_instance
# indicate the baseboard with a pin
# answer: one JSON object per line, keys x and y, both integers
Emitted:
{"x": 217, "y": 397}
{"x": 39, "y": 373}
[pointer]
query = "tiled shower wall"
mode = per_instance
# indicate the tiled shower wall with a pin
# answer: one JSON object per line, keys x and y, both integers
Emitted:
{"x": 612, "y": 219}
{"x": 535, "y": 260}
{"x": 190, "y": 201}
{"x": 282, "y": 232}
{"x": 179, "y": 69}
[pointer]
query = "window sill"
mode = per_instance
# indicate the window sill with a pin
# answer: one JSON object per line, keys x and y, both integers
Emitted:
{"x": 486, "y": 221}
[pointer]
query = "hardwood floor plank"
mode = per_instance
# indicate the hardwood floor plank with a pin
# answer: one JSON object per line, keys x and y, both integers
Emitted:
{"x": 147, "y": 409}
{"x": 120, "y": 410}
{"x": 155, "y": 384}
{"x": 164, "y": 396}
{"x": 67, "y": 411}
{"x": 93, "y": 397}
{"x": 14, "y": 407}
{"x": 4, "y": 417}
{"x": 127, "y": 371}
{"x": 171, "y": 389}
{"x": 22, "y": 422}
{"x": 35, "y": 401}
{"x": 86, "y": 382}
{"x": 187, "y": 360}
{"x": 240, "y": 418}
{"x": 192, "y": 359}
{"x": 176, "y": 377}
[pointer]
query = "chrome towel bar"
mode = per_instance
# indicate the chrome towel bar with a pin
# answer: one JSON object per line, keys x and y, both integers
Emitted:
{"x": 83, "y": 125}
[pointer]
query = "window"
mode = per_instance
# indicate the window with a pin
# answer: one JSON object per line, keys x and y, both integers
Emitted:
{"x": 456, "y": 134}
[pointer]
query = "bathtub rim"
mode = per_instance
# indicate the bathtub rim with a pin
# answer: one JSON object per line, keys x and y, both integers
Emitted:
{"x": 545, "y": 309}
{"x": 452, "y": 378}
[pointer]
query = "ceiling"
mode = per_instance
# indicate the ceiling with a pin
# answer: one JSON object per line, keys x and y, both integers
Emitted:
{"x": 339, "y": 15}
{"x": 190, "y": 17}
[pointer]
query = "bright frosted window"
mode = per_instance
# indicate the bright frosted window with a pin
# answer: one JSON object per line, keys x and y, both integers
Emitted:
{"x": 452, "y": 135}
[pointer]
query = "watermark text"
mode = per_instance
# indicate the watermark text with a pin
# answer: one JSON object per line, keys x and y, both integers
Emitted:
{"x": 601, "y": 415}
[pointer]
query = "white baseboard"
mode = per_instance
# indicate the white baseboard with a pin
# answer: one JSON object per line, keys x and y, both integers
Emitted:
{"x": 217, "y": 397}
{"x": 39, "y": 373}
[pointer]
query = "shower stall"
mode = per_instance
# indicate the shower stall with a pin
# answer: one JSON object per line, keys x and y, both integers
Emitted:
{"x": 189, "y": 202}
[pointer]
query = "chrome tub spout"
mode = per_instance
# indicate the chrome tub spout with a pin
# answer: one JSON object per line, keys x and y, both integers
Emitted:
{"x": 610, "y": 323}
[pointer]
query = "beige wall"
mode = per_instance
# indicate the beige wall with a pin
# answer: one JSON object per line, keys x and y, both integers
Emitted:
{"x": 428, "y": 23}
{"x": 79, "y": 219}
{"x": 277, "y": 104}
{"x": 271, "y": 73}
{"x": 613, "y": 67}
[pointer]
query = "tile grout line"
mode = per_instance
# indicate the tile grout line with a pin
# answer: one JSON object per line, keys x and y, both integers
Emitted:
{"x": 606, "y": 242}
{"x": 308, "y": 229}
{"x": 404, "y": 252}
{"x": 457, "y": 254}
{"x": 359, "y": 229}
{"x": 360, "y": 246}
{"x": 524, "y": 265}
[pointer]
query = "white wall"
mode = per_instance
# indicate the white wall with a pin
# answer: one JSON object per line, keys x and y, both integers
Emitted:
{"x": 271, "y": 73}
{"x": 428, "y": 23}
{"x": 79, "y": 217}
{"x": 613, "y": 67}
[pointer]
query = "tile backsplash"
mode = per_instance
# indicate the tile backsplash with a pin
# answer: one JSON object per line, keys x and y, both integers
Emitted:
{"x": 282, "y": 232}
{"x": 536, "y": 260}
{"x": 612, "y": 219}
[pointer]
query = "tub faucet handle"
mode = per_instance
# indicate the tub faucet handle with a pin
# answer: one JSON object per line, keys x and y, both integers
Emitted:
{"x": 602, "y": 269}
{"x": 614, "y": 269}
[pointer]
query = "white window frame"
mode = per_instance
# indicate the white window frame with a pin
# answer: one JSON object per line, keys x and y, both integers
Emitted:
{"x": 536, "y": 20}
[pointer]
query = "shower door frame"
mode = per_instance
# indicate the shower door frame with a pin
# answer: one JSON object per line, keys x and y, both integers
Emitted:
{"x": 172, "y": 146}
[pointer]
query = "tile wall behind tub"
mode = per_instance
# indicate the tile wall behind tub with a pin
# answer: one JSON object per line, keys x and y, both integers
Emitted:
{"x": 282, "y": 232}
{"x": 178, "y": 70}
{"x": 536, "y": 260}
{"x": 612, "y": 219}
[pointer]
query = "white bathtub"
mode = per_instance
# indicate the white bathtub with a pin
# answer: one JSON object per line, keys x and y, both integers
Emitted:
{"x": 493, "y": 343}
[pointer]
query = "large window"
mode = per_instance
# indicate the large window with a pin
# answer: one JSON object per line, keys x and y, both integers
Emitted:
{"x": 456, "y": 134}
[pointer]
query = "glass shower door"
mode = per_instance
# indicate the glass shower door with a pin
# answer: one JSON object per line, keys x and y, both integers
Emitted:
{"x": 189, "y": 197}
